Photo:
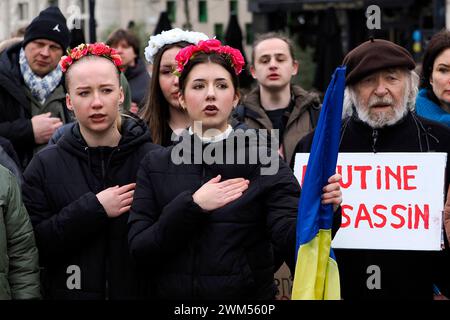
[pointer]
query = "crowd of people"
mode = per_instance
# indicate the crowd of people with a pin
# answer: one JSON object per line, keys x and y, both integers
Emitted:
{"x": 120, "y": 185}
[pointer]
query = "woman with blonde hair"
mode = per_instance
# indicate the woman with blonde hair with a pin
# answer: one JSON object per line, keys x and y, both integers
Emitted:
{"x": 78, "y": 191}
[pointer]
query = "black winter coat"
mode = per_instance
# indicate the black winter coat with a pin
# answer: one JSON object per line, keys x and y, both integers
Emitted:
{"x": 71, "y": 226}
{"x": 404, "y": 274}
{"x": 139, "y": 81}
{"x": 9, "y": 159}
{"x": 15, "y": 107}
{"x": 223, "y": 254}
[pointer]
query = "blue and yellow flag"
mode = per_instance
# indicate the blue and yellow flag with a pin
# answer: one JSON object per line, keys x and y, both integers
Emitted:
{"x": 316, "y": 272}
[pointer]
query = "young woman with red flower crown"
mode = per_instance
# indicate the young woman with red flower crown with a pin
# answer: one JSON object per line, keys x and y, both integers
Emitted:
{"x": 78, "y": 192}
{"x": 204, "y": 222}
{"x": 162, "y": 111}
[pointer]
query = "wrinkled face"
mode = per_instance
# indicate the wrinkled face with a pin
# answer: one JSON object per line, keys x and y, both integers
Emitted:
{"x": 43, "y": 56}
{"x": 126, "y": 52}
{"x": 94, "y": 97}
{"x": 209, "y": 96}
{"x": 167, "y": 80}
{"x": 440, "y": 77}
{"x": 381, "y": 97}
{"x": 274, "y": 65}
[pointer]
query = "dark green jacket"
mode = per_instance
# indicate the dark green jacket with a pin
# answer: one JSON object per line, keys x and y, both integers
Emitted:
{"x": 19, "y": 269}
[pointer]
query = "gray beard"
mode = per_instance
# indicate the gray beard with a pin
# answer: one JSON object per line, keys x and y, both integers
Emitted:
{"x": 381, "y": 119}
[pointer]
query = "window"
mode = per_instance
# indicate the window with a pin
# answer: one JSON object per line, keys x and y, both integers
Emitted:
{"x": 218, "y": 31}
{"x": 234, "y": 7}
{"x": 172, "y": 10}
{"x": 53, "y": 2}
{"x": 23, "y": 11}
{"x": 202, "y": 12}
{"x": 249, "y": 37}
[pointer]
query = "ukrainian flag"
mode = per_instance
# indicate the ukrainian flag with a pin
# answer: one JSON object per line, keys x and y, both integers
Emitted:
{"x": 316, "y": 273}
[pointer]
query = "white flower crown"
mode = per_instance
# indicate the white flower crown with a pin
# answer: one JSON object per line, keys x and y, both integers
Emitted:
{"x": 171, "y": 36}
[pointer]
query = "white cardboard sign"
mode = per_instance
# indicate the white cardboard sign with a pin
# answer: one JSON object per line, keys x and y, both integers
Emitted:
{"x": 390, "y": 200}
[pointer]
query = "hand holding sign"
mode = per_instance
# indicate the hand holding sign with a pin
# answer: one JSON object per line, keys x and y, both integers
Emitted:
{"x": 332, "y": 192}
{"x": 391, "y": 201}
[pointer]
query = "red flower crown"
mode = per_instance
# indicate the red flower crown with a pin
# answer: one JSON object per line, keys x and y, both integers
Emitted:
{"x": 234, "y": 56}
{"x": 95, "y": 49}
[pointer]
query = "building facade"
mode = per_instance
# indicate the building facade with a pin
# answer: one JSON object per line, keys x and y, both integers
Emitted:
{"x": 208, "y": 16}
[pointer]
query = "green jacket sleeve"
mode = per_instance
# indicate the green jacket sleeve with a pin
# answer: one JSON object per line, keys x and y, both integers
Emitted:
{"x": 126, "y": 92}
{"x": 23, "y": 273}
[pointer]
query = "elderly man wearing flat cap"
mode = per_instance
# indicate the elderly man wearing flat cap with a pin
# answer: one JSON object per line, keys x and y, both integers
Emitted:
{"x": 32, "y": 95}
{"x": 378, "y": 116}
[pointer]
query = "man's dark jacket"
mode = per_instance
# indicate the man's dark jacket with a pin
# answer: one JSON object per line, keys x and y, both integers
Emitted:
{"x": 15, "y": 106}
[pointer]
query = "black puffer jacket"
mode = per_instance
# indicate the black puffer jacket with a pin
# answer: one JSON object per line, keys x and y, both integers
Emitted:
{"x": 223, "y": 254}
{"x": 71, "y": 226}
{"x": 139, "y": 81}
{"x": 9, "y": 159}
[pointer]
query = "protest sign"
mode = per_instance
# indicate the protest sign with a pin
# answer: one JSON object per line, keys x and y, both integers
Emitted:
{"x": 390, "y": 200}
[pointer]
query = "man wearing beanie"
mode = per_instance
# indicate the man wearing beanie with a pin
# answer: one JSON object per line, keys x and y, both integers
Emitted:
{"x": 32, "y": 94}
{"x": 378, "y": 116}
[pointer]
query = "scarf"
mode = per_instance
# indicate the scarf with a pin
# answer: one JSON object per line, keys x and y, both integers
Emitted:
{"x": 40, "y": 88}
{"x": 430, "y": 110}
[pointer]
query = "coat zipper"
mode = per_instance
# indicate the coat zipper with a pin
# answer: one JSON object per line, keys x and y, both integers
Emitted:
{"x": 374, "y": 139}
{"x": 195, "y": 285}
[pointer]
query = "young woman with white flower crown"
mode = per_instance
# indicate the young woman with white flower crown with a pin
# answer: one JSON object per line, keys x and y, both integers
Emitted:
{"x": 162, "y": 111}
{"x": 205, "y": 228}
{"x": 78, "y": 191}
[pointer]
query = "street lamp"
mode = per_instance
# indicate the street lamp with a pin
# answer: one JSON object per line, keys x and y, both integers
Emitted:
{"x": 92, "y": 23}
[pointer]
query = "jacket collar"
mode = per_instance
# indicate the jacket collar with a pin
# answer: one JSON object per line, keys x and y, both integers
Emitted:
{"x": 300, "y": 98}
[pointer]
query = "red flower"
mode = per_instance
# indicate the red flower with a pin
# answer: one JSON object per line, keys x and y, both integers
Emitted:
{"x": 84, "y": 52}
{"x": 212, "y": 45}
{"x": 117, "y": 60}
{"x": 96, "y": 49}
{"x": 236, "y": 58}
{"x": 65, "y": 62}
{"x": 183, "y": 57}
{"x": 209, "y": 45}
{"x": 76, "y": 54}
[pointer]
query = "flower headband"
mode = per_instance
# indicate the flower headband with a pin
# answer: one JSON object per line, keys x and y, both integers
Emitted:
{"x": 171, "y": 36}
{"x": 234, "y": 56}
{"x": 95, "y": 49}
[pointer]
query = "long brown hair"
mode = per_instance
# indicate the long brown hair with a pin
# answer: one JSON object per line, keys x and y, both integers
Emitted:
{"x": 156, "y": 108}
{"x": 437, "y": 44}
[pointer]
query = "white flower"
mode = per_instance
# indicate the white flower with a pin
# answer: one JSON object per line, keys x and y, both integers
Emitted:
{"x": 171, "y": 36}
